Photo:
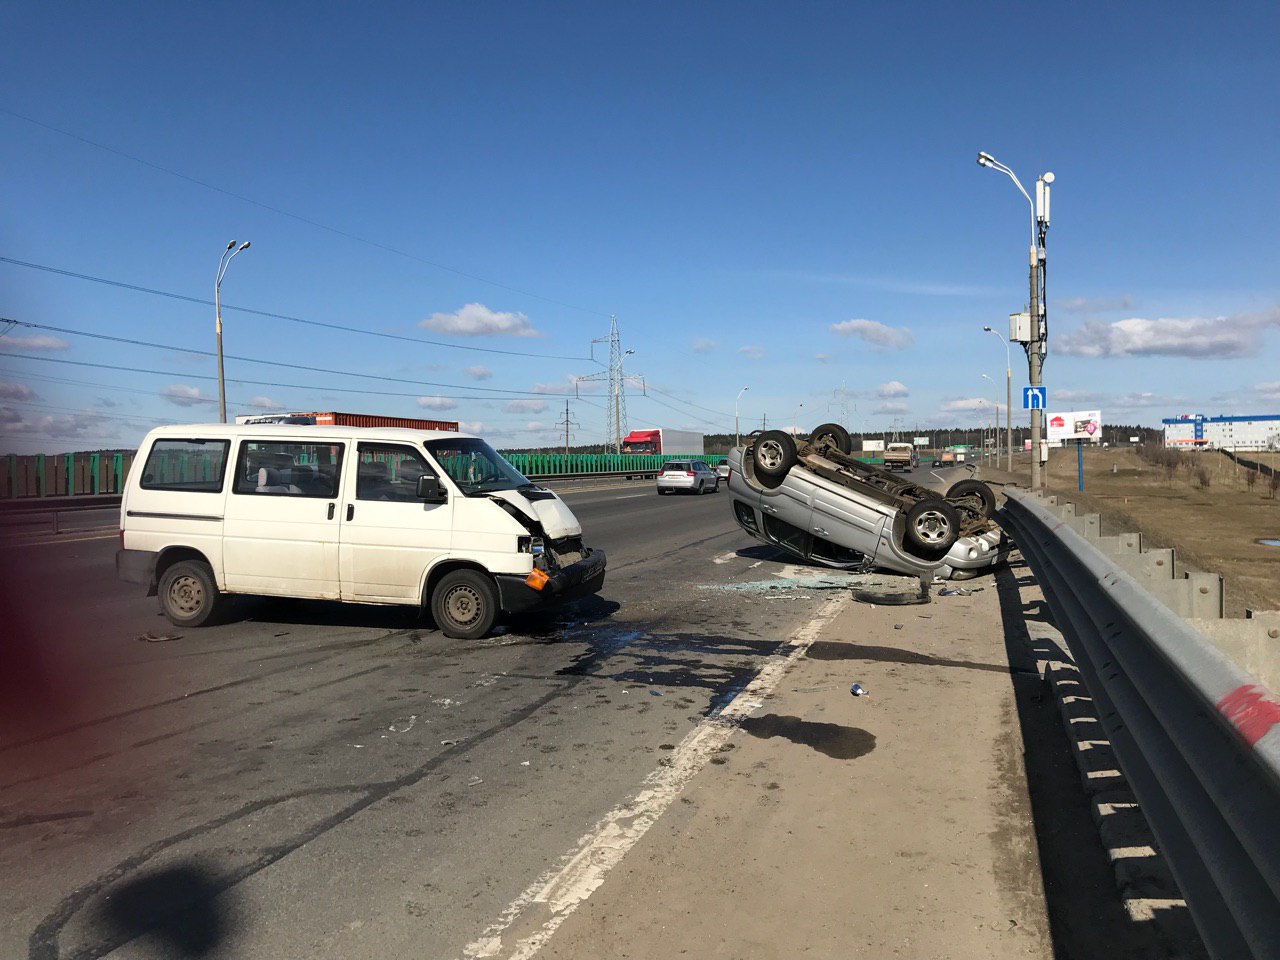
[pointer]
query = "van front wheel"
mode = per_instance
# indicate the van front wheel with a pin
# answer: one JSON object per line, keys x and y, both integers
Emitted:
{"x": 464, "y": 604}
{"x": 188, "y": 593}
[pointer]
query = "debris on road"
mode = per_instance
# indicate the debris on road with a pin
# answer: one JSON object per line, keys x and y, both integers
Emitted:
{"x": 474, "y": 781}
{"x": 859, "y": 691}
{"x": 655, "y": 693}
{"x": 449, "y": 743}
{"x": 403, "y": 724}
{"x": 958, "y": 591}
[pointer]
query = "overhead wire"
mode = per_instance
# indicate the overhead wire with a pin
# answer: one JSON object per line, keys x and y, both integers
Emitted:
{"x": 185, "y": 298}
{"x": 271, "y": 363}
{"x": 298, "y": 217}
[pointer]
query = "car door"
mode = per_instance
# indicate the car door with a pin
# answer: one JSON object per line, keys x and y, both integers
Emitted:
{"x": 786, "y": 510}
{"x": 280, "y": 528}
{"x": 389, "y": 537}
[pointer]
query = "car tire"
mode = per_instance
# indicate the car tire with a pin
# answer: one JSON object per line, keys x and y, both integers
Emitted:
{"x": 932, "y": 527}
{"x": 464, "y": 604}
{"x": 774, "y": 454}
{"x": 188, "y": 593}
{"x": 975, "y": 488}
{"x": 832, "y": 435}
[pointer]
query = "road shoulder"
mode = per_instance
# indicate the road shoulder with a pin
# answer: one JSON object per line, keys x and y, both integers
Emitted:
{"x": 832, "y": 826}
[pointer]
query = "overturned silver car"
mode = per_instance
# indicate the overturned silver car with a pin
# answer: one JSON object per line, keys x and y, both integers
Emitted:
{"x": 813, "y": 499}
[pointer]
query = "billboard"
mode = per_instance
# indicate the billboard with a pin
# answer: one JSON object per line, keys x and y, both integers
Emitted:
{"x": 872, "y": 446}
{"x": 1075, "y": 425}
{"x": 921, "y": 441}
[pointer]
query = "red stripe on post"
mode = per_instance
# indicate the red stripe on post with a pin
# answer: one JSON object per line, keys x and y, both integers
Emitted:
{"x": 1252, "y": 711}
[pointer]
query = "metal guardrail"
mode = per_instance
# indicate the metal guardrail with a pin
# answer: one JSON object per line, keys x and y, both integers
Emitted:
{"x": 1197, "y": 737}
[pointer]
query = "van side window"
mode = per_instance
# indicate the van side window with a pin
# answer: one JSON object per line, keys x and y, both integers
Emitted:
{"x": 389, "y": 471}
{"x": 288, "y": 468}
{"x": 189, "y": 466}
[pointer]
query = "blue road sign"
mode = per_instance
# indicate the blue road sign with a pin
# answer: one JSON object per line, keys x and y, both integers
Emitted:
{"x": 1035, "y": 398}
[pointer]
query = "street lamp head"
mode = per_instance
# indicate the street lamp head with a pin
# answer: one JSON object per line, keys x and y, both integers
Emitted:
{"x": 1048, "y": 177}
{"x": 231, "y": 245}
{"x": 985, "y": 159}
{"x": 243, "y": 246}
{"x": 987, "y": 330}
{"x": 628, "y": 353}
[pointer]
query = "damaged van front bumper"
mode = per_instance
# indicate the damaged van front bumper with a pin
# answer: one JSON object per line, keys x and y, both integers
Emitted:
{"x": 517, "y": 594}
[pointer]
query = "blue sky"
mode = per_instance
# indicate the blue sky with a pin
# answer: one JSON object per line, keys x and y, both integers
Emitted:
{"x": 736, "y": 182}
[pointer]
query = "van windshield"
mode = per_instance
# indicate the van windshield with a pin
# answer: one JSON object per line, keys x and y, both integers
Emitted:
{"x": 475, "y": 466}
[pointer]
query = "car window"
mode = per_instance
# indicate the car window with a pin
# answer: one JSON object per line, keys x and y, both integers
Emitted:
{"x": 701, "y": 467}
{"x": 475, "y": 466}
{"x": 677, "y": 465}
{"x": 190, "y": 466}
{"x": 288, "y": 468}
{"x": 389, "y": 471}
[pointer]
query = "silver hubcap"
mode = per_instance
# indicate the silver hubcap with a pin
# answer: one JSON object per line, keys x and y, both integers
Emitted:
{"x": 932, "y": 527}
{"x": 186, "y": 595}
{"x": 770, "y": 454}
{"x": 463, "y": 604}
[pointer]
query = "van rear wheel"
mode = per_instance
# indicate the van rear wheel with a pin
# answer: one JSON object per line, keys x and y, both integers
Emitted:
{"x": 464, "y": 604}
{"x": 188, "y": 593}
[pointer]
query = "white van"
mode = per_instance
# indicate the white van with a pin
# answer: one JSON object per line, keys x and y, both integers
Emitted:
{"x": 365, "y": 514}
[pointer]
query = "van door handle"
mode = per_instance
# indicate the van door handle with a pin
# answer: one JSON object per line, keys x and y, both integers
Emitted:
{"x": 820, "y": 532}
{"x": 768, "y": 509}
{"x": 331, "y": 508}
{"x": 351, "y": 510}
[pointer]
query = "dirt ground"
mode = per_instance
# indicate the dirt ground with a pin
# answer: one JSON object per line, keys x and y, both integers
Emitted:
{"x": 1215, "y": 527}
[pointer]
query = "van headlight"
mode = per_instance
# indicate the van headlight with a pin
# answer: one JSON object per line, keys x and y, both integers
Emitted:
{"x": 531, "y": 545}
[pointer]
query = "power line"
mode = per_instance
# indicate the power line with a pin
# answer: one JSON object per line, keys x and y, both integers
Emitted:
{"x": 684, "y": 413}
{"x": 294, "y": 216}
{"x": 311, "y": 387}
{"x": 279, "y": 316}
{"x": 649, "y": 388}
{"x": 270, "y": 363}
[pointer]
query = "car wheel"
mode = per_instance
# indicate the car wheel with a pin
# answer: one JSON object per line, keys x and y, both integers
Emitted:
{"x": 188, "y": 593}
{"x": 832, "y": 435}
{"x": 464, "y": 604}
{"x": 774, "y": 454}
{"x": 977, "y": 490}
{"x": 932, "y": 527}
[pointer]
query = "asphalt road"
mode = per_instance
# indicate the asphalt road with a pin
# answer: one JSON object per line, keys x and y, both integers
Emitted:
{"x": 321, "y": 780}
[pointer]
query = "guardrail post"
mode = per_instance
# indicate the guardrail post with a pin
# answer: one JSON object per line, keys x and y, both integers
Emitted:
{"x": 1150, "y": 565}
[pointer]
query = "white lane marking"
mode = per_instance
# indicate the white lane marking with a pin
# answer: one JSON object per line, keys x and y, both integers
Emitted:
{"x": 559, "y": 891}
{"x": 631, "y": 496}
{"x": 726, "y": 557}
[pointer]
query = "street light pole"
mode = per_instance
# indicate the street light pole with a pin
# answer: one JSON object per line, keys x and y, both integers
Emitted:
{"x": 1008, "y": 398}
{"x": 996, "y": 443}
{"x": 228, "y": 255}
{"x": 1037, "y": 346}
{"x": 737, "y": 433}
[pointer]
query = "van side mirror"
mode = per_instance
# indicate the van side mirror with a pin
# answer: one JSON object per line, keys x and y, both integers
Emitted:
{"x": 430, "y": 491}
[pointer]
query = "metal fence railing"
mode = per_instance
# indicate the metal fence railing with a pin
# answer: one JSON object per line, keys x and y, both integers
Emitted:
{"x": 1197, "y": 737}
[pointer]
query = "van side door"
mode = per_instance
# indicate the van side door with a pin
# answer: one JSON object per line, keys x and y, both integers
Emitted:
{"x": 280, "y": 532}
{"x": 389, "y": 537}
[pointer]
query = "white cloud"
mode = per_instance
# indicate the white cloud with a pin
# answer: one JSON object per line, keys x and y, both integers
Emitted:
{"x": 753, "y": 352}
{"x": 568, "y": 387}
{"x": 477, "y": 320}
{"x": 967, "y": 405}
{"x": 892, "y": 406}
{"x": 436, "y": 403}
{"x": 525, "y": 406}
{"x": 1216, "y": 338}
{"x": 479, "y": 372}
{"x": 84, "y": 423}
{"x": 875, "y": 333}
{"x": 265, "y": 403}
{"x": 535, "y": 426}
{"x": 471, "y": 426}
{"x": 39, "y": 342}
{"x": 822, "y": 357}
{"x": 894, "y": 388}
{"x": 181, "y": 395}
{"x": 1269, "y": 390}
{"x": 704, "y": 345}
{"x": 15, "y": 391}
{"x": 1094, "y": 304}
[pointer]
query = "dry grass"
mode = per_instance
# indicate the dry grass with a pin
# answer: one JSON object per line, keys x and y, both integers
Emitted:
{"x": 1203, "y": 507}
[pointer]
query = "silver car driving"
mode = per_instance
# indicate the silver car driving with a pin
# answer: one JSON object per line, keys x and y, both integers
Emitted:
{"x": 688, "y": 476}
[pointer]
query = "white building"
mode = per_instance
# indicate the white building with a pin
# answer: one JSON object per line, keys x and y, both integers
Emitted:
{"x": 1189, "y": 430}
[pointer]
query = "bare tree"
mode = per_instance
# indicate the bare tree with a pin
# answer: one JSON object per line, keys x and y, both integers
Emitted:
{"x": 1251, "y": 479}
